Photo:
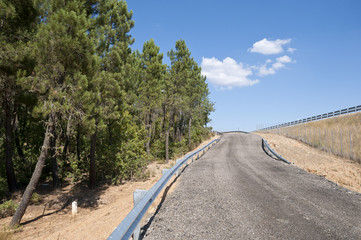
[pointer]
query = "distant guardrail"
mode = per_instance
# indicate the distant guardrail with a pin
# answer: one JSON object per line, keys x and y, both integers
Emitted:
{"x": 130, "y": 223}
{"x": 315, "y": 118}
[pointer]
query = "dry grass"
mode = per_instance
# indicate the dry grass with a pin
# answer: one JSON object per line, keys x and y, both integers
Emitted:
{"x": 342, "y": 171}
{"x": 340, "y": 135}
{"x": 99, "y": 210}
{"x": 6, "y": 235}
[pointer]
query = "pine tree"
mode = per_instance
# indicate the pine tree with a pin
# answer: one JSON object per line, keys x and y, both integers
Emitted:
{"x": 151, "y": 86}
{"x": 17, "y": 23}
{"x": 188, "y": 94}
{"x": 196, "y": 91}
{"x": 112, "y": 24}
{"x": 179, "y": 74}
{"x": 64, "y": 63}
{"x": 84, "y": 101}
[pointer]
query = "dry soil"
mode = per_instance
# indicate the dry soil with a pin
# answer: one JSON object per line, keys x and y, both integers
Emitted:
{"x": 99, "y": 210}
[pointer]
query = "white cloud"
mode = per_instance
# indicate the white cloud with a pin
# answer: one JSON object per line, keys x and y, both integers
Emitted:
{"x": 270, "y": 47}
{"x": 226, "y": 74}
{"x": 284, "y": 59}
{"x": 278, "y": 64}
{"x": 229, "y": 73}
{"x": 291, "y": 50}
{"x": 264, "y": 71}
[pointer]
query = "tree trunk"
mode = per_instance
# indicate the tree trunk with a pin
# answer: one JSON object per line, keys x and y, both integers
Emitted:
{"x": 35, "y": 177}
{"x": 54, "y": 163}
{"x": 9, "y": 146}
{"x": 147, "y": 144}
{"x": 67, "y": 138}
{"x": 189, "y": 133}
{"x": 78, "y": 142}
{"x": 149, "y": 133}
{"x": 65, "y": 150}
{"x": 153, "y": 126}
{"x": 180, "y": 132}
{"x": 172, "y": 124}
{"x": 93, "y": 141}
{"x": 17, "y": 141}
{"x": 162, "y": 124}
{"x": 166, "y": 128}
{"x": 167, "y": 146}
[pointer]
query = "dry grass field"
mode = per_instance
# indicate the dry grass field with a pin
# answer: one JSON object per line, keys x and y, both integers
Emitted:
{"x": 340, "y": 135}
{"x": 342, "y": 171}
{"x": 329, "y": 148}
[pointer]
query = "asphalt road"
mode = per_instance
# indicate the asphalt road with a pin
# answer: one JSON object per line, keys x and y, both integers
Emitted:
{"x": 236, "y": 191}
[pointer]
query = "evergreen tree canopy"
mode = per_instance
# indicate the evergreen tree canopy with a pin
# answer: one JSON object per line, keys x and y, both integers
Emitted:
{"x": 78, "y": 104}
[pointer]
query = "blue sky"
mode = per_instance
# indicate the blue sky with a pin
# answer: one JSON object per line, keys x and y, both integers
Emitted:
{"x": 266, "y": 62}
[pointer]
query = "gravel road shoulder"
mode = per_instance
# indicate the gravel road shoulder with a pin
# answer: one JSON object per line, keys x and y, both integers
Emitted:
{"x": 236, "y": 191}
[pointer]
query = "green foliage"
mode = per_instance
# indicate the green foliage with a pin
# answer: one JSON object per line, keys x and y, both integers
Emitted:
{"x": 73, "y": 60}
{"x": 36, "y": 198}
{"x": 8, "y": 208}
{"x": 158, "y": 149}
{"x": 3, "y": 187}
{"x": 179, "y": 148}
{"x": 122, "y": 156}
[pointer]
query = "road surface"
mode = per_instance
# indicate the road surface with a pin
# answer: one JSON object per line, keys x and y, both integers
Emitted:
{"x": 236, "y": 191}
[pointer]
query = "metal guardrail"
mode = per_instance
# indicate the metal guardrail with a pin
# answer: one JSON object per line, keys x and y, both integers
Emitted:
{"x": 129, "y": 224}
{"x": 315, "y": 118}
{"x": 265, "y": 143}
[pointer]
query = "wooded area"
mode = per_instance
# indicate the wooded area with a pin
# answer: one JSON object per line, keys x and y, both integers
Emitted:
{"x": 77, "y": 103}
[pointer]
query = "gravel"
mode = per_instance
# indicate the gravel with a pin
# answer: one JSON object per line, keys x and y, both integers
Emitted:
{"x": 236, "y": 191}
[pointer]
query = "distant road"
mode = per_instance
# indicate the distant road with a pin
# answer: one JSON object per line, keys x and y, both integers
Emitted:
{"x": 236, "y": 191}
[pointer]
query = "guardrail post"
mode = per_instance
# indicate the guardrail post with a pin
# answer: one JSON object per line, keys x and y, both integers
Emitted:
{"x": 138, "y": 194}
{"x": 142, "y": 201}
{"x": 350, "y": 145}
{"x": 341, "y": 140}
{"x": 332, "y": 142}
{"x": 177, "y": 172}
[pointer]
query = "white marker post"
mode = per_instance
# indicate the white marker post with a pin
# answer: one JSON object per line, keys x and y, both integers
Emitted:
{"x": 74, "y": 208}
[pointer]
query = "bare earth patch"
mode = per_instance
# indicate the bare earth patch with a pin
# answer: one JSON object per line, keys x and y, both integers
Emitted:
{"x": 99, "y": 210}
{"x": 342, "y": 171}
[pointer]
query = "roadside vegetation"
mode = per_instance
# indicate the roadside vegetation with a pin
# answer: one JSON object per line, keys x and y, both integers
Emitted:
{"x": 330, "y": 148}
{"x": 340, "y": 170}
{"x": 79, "y": 104}
{"x": 340, "y": 135}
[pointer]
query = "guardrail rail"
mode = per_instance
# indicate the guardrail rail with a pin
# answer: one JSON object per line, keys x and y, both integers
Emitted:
{"x": 315, "y": 118}
{"x": 265, "y": 143}
{"x": 130, "y": 223}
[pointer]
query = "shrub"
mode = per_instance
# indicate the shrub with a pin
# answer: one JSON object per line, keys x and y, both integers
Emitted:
{"x": 3, "y": 187}
{"x": 8, "y": 208}
{"x": 36, "y": 198}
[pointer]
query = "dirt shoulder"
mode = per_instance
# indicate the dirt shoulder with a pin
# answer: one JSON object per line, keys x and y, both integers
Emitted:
{"x": 99, "y": 210}
{"x": 342, "y": 171}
